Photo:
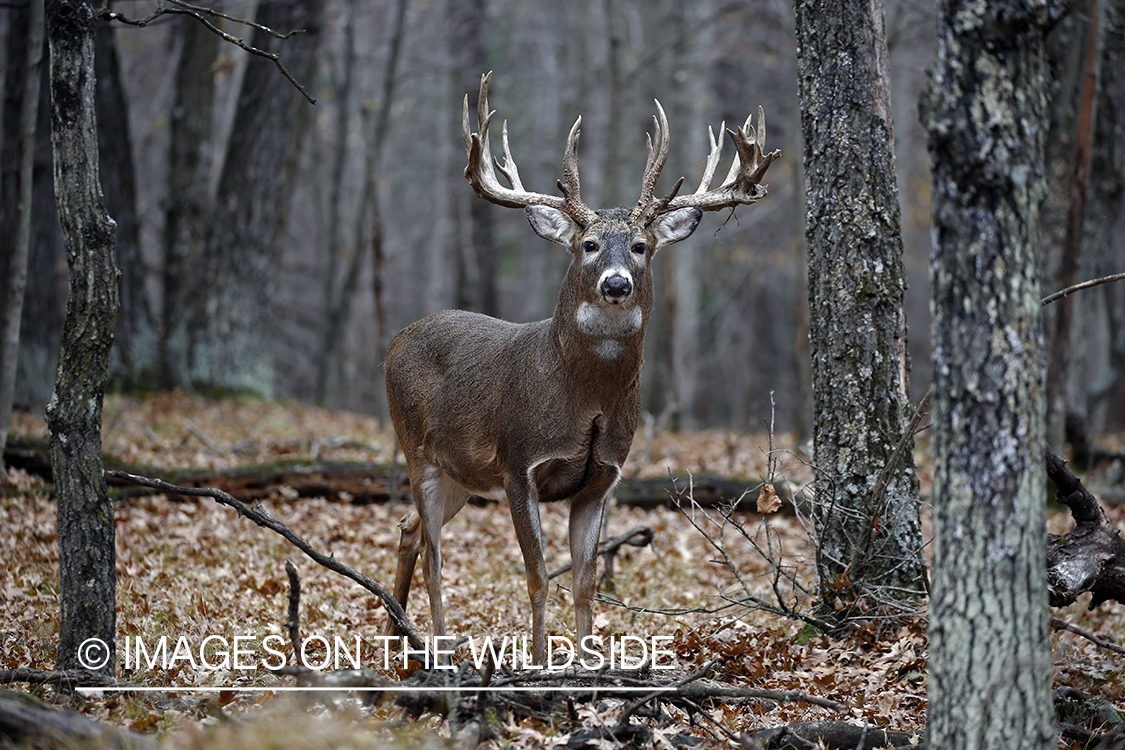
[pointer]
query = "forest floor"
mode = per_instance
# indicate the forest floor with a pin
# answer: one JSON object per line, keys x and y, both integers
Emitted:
{"x": 190, "y": 568}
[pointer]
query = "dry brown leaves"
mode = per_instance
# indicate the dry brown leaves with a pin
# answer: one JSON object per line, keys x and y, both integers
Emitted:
{"x": 192, "y": 569}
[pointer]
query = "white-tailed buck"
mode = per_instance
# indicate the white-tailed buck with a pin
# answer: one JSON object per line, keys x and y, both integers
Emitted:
{"x": 544, "y": 411}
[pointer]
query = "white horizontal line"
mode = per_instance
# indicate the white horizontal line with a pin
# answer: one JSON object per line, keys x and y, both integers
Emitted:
{"x": 388, "y": 689}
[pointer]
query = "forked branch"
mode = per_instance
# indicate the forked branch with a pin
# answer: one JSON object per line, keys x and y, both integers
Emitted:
{"x": 203, "y": 15}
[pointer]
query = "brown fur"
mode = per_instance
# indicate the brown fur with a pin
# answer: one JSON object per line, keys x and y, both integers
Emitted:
{"x": 535, "y": 412}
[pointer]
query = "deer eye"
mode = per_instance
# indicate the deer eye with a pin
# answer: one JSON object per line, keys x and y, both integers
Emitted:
{"x": 590, "y": 246}
{"x": 640, "y": 248}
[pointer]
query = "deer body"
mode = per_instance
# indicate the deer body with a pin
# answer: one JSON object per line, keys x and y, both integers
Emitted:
{"x": 537, "y": 412}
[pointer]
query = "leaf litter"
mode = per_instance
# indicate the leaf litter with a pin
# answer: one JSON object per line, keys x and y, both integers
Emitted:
{"x": 189, "y": 568}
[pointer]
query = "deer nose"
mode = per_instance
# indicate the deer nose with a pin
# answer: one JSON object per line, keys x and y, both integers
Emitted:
{"x": 616, "y": 288}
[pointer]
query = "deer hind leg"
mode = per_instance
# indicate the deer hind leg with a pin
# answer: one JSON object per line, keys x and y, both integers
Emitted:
{"x": 409, "y": 545}
{"x": 586, "y": 510}
{"x": 523, "y": 502}
{"x": 437, "y": 499}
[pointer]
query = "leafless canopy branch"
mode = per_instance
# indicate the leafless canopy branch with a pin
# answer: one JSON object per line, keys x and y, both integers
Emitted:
{"x": 1084, "y": 285}
{"x": 204, "y": 16}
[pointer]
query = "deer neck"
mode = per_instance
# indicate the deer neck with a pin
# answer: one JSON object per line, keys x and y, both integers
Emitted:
{"x": 595, "y": 341}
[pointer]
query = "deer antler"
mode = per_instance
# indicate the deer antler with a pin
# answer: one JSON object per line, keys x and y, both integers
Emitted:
{"x": 742, "y": 184}
{"x": 480, "y": 174}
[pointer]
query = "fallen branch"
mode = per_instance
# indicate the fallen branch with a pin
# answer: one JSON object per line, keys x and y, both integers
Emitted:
{"x": 265, "y": 520}
{"x": 1089, "y": 558}
{"x": 27, "y": 721}
{"x": 834, "y": 735}
{"x": 641, "y": 536}
{"x": 1057, "y": 624}
{"x": 66, "y": 679}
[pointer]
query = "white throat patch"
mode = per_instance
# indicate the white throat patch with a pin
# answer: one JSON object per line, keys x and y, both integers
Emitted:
{"x": 595, "y": 320}
{"x": 610, "y": 325}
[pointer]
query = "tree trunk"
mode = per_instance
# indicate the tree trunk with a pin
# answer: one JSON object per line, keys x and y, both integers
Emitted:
{"x": 869, "y": 540}
{"x": 85, "y": 525}
{"x": 133, "y": 360}
{"x": 1107, "y": 199}
{"x": 232, "y": 349}
{"x": 985, "y": 109}
{"x": 686, "y": 289}
{"x": 21, "y": 108}
{"x": 1059, "y": 399}
{"x": 189, "y": 200}
{"x": 469, "y": 37}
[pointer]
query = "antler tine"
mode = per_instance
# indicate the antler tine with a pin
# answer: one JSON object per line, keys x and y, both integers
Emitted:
{"x": 743, "y": 182}
{"x": 657, "y": 157}
{"x": 508, "y": 168}
{"x": 481, "y": 168}
{"x": 712, "y": 158}
{"x": 570, "y": 185}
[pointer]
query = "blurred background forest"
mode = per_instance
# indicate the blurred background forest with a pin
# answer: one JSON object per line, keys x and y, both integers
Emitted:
{"x": 377, "y": 226}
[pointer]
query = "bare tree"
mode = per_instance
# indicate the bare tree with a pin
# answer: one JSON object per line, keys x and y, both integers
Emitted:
{"x": 231, "y": 347}
{"x": 15, "y": 192}
{"x": 134, "y": 355}
{"x": 985, "y": 109}
{"x": 87, "y": 578}
{"x": 191, "y": 149}
{"x": 869, "y": 539}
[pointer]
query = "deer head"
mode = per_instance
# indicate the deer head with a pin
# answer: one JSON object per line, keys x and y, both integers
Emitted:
{"x": 545, "y": 411}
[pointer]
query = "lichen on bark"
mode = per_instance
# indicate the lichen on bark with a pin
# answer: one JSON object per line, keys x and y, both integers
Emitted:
{"x": 869, "y": 541}
{"x": 985, "y": 111}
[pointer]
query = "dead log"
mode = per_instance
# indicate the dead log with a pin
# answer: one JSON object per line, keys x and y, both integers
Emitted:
{"x": 1089, "y": 558}
{"x": 835, "y": 735}
{"x": 25, "y": 720}
{"x": 364, "y": 483}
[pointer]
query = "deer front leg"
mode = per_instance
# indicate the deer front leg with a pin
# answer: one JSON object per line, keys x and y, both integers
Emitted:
{"x": 437, "y": 499}
{"x": 523, "y": 502}
{"x": 586, "y": 510}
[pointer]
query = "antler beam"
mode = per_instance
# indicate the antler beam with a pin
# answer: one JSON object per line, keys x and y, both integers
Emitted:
{"x": 741, "y": 186}
{"x": 481, "y": 175}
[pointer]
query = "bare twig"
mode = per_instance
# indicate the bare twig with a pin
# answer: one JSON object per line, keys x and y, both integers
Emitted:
{"x": 293, "y": 623}
{"x": 1084, "y": 285}
{"x": 641, "y": 536}
{"x": 1057, "y": 624}
{"x": 265, "y": 520}
{"x": 201, "y": 14}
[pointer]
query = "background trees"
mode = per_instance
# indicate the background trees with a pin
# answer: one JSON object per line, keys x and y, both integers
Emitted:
{"x": 730, "y": 329}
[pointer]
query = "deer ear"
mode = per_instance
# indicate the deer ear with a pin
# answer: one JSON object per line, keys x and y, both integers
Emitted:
{"x": 551, "y": 224}
{"x": 675, "y": 226}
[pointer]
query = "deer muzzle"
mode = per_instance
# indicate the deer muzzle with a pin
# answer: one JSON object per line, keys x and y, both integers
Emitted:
{"x": 616, "y": 289}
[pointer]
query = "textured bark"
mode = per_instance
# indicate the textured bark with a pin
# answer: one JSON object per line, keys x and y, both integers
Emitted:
{"x": 85, "y": 514}
{"x": 189, "y": 168}
{"x": 232, "y": 348}
{"x": 985, "y": 110}
{"x": 869, "y": 541}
